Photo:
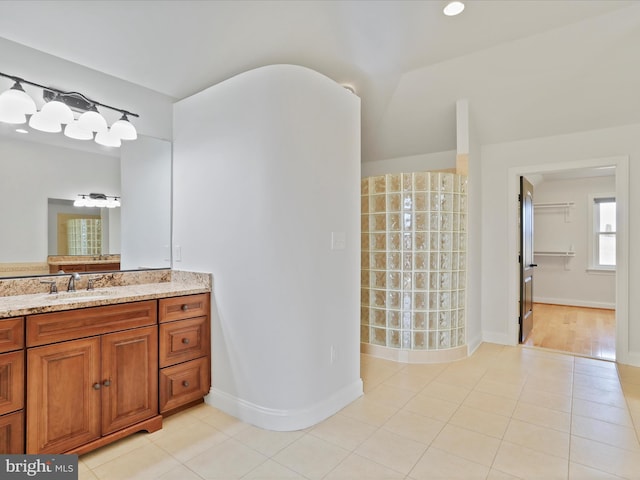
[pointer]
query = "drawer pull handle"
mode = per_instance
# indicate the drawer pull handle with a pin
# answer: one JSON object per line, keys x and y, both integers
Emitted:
{"x": 186, "y": 341}
{"x": 185, "y": 383}
{"x": 106, "y": 383}
{"x": 184, "y": 307}
{"x": 96, "y": 386}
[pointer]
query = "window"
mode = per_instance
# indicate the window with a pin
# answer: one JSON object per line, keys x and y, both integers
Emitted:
{"x": 604, "y": 232}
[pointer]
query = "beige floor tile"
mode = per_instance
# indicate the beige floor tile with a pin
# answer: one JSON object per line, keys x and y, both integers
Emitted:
{"x": 187, "y": 442}
{"x": 607, "y": 413}
{"x": 437, "y": 464}
{"x": 445, "y": 391}
{"x": 85, "y": 474}
{"x": 498, "y": 475}
{"x": 525, "y": 463}
{"x": 605, "y": 432}
{"x": 597, "y": 395}
{"x": 600, "y": 383}
{"x": 551, "y": 385}
{"x": 391, "y": 450}
{"x": 490, "y": 403}
{"x": 465, "y": 375}
{"x": 115, "y": 450}
{"x": 180, "y": 472}
{"x": 431, "y": 407}
{"x": 266, "y": 442}
{"x": 414, "y": 427}
{"x": 479, "y": 421}
{"x": 544, "y": 417}
{"x": 580, "y": 472}
{"x": 628, "y": 374}
{"x": 409, "y": 381}
{"x": 271, "y": 470}
{"x": 369, "y": 412}
{"x": 357, "y": 467}
{"x": 390, "y": 396}
{"x": 473, "y": 446}
{"x": 148, "y": 462}
{"x": 222, "y": 421}
{"x": 499, "y": 388}
{"x": 601, "y": 456}
{"x": 311, "y": 456}
{"x": 343, "y": 431}
{"x": 227, "y": 460}
{"x": 553, "y": 401}
{"x": 540, "y": 439}
{"x": 597, "y": 368}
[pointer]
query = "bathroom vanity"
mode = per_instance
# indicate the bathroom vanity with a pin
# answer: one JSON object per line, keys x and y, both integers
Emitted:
{"x": 79, "y": 370}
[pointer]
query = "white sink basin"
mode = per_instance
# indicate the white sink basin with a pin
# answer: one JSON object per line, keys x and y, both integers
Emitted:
{"x": 81, "y": 295}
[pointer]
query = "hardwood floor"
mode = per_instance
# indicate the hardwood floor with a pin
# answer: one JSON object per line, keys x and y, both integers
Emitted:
{"x": 580, "y": 330}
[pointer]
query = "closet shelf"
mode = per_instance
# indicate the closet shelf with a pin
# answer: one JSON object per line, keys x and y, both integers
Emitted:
{"x": 554, "y": 205}
{"x": 555, "y": 254}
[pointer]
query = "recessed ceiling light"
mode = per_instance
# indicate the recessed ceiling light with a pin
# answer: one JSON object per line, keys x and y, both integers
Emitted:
{"x": 453, "y": 8}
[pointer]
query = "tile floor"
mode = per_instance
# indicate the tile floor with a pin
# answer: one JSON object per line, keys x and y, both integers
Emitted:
{"x": 505, "y": 413}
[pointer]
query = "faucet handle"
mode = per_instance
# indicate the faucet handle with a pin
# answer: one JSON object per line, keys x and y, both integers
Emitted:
{"x": 53, "y": 286}
{"x": 90, "y": 283}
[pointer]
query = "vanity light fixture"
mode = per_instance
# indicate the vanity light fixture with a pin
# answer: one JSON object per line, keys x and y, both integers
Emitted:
{"x": 72, "y": 112}
{"x": 453, "y": 8}
{"x": 99, "y": 200}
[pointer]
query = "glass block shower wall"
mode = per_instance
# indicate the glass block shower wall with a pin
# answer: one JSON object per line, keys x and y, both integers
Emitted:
{"x": 414, "y": 237}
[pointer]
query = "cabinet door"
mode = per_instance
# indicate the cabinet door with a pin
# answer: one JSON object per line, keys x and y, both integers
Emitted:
{"x": 11, "y": 381}
{"x": 12, "y": 433}
{"x": 63, "y": 405}
{"x": 129, "y": 377}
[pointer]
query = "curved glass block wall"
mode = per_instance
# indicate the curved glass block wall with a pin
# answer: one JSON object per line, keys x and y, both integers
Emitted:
{"x": 414, "y": 237}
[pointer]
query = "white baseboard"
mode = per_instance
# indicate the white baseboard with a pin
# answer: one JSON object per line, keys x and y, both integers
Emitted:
{"x": 284, "y": 420}
{"x": 575, "y": 303}
{"x": 473, "y": 344}
{"x": 499, "y": 338}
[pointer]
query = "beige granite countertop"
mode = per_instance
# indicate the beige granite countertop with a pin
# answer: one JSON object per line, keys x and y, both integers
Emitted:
{"x": 180, "y": 283}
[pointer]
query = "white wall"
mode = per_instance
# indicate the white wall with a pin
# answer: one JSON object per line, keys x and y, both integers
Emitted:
{"x": 413, "y": 163}
{"x": 567, "y": 280}
{"x": 500, "y": 163}
{"x": 266, "y": 167}
{"x": 31, "y": 173}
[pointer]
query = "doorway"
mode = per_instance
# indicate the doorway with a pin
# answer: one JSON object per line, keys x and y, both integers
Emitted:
{"x": 618, "y": 166}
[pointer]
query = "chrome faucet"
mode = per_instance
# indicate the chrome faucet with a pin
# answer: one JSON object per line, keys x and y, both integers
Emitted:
{"x": 72, "y": 282}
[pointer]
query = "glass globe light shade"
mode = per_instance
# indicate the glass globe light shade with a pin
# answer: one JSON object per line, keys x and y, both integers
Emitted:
{"x": 107, "y": 139}
{"x": 75, "y": 131}
{"x": 43, "y": 123}
{"x": 80, "y": 201}
{"x": 123, "y": 129}
{"x": 453, "y": 8}
{"x": 57, "y": 112}
{"x": 15, "y": 104}
{"x": 93, "y": 121}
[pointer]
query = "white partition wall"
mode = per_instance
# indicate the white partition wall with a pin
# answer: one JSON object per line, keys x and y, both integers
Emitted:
{"x": 266, "y": 197}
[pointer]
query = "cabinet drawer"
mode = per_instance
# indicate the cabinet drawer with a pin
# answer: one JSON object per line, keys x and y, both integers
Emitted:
{"x": 183, "y": 383}
{"x": 12, "y": 433}
{"x": 178, "y": 308}
{"x": 68, "y": 325}
{"x": 11, "y": 381}
{"x": 11, "y": 334}
{"x": 183, "y": 340}
{"x": 102, "y": 267}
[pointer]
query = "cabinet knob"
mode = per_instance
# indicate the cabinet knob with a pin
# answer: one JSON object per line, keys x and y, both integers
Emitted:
{"x": 185, "y": 383}
{"x": 186, "y": 341}
{"x": 185, "y": 307}
{"x": 96, "y": 386}
{"x": 106, "y": 383}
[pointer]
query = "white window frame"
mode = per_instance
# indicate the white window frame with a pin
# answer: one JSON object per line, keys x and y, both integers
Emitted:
{"x": 594, "y": 265}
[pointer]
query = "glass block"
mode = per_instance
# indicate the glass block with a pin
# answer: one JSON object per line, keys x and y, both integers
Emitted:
{"x": 379, "y": 261}
{"x": 444, "y": 280}
{"x": 461, "y": 336}
{"x": 393, "y": 222}
{"x": 462, "y": 208}
{"x": 446, "y": 202}
{"x": 461, "y": 317}
{"x": 407, "y": 182}
{"x": 393, "y": 318}
{"x": 433, "y": 300}
{"x": 364, "y": 260}
{"x": 365, "y": 296}
{"x": 420, "y": 221}
{"x": 461, "y": 300}
{"x": 378, "y": 222}
{"x": 433, "y": 340}
{"x": 420, "y": 300}
{"x": 444, "y": 339}
{"x": 454, "y": 260}
{"x": 379, "y": 279}
{"x": 433, "y": 320}
{"x": 379, "y": 184}
{"x": 444, "y": 300}
{"x": 394, "y": 241}
{"x": 462, "y": 179}
{"x": 406, "y": 304}
{"x": 364, "y": 277}
{"x": 434, "y": 201}
{"x": 434, "y": 221}
{"x": 446, "y": 221}
{"x": 419, "y": 340}
{"x": 454, "y": 318}
{"x": 446, "y": 241}
{"x": 364, "y": 186}
{"x": 406, "y": 339}
{"x": 364, "y": 204}
{"x": 393, "y": 338}
{"x": 379, "y": 298}
{"x": 406, "y": 320}
{"x": 434, "y": 261}
{"x": 378, "y": 317}
{"x": 393, "y": 300}
{"x": 365, "y": 313}
{"x": 444, "y": 320}
{"x": 378, "y": 203}
{"x": 456, "y": 202}
{"x": 393, "y": 202}
{"x": 462, "y": 241}
{"x": 455, "y": 241}
{"x": 420, "y": 280}
{"x": 378, "y": 336}
{"x": 364, "y": 242}
{"x": 420, "y": 320}
{"x": 378, "y": 241}
{"x": 407, "y": 201}
{"x": 421, "y": 202}
{"x": 454, "y": 299}
{"x": 393, "y": 280}
{"x": 445, "y": 261}
{"x": 393, "y": 261}
{"x": 407, "y": 241}
{"x": 420, "y": 181}
{"x": 446, "y": 182}
{"x": 364, "y": 223}
{"x": 421, "y": 261}
{"x": 462, "y": 261}
{"x": 456, "y": 222}
{"x": 434, "y": 281}
{"x": 463, "y": 222}
{"x": 407, "y": 220}
{"x": 364, "y": 334}
{"x": 406, "y": 281}
{"x": 434, "y": 182}
{"x": 393, "y": 182}
{"x": 421, "y": 241}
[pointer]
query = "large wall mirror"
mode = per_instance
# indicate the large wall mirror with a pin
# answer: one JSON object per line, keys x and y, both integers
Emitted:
{"x": 40, "y": 177}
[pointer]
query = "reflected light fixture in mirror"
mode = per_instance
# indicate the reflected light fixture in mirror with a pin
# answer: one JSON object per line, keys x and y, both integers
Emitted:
{"x": 453, "y": 8}
{"x": 99, "y": 200}
{"x": 61, "y": 109}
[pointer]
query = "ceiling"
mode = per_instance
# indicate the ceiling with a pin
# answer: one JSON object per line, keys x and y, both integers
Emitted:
{"x": 528, "y": 68}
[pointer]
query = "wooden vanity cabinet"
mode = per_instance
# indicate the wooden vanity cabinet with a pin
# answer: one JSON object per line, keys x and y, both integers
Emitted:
{"x": 12, "y": 385}
{"x": 87, "y": 392}
{"x": 185, "y": 351}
